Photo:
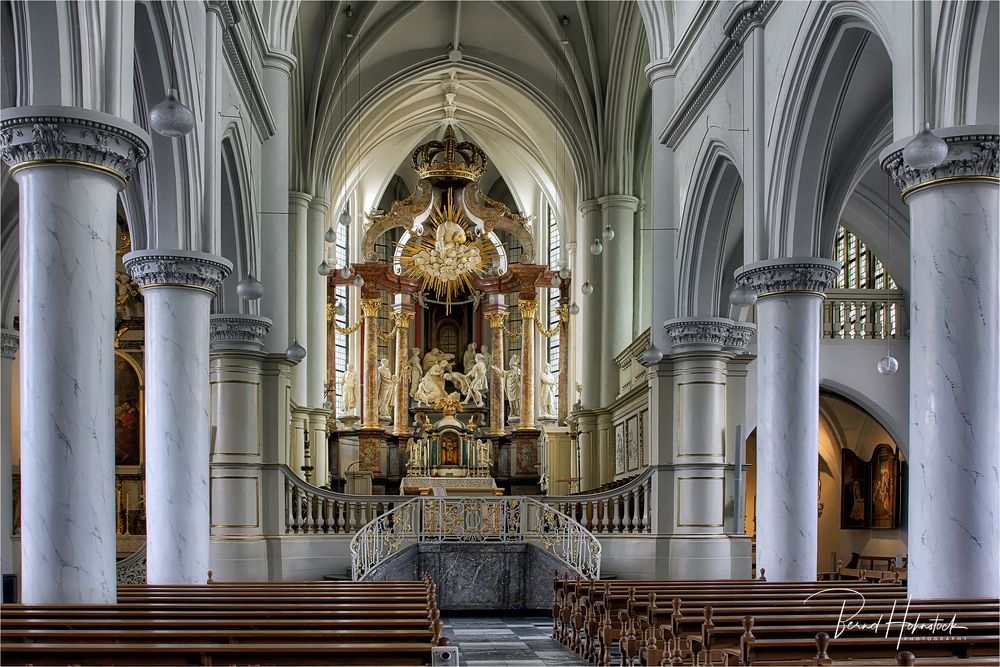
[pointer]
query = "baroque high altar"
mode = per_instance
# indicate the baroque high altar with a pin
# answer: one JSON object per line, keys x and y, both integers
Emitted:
{"x": 448, "y": 410}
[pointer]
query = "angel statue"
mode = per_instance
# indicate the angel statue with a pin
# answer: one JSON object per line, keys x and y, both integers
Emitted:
{"x": 416, "y": 371}
{"x": 549, "y": 392}
{"x": 349, "y": 390}
{"x": 385, "y": 385}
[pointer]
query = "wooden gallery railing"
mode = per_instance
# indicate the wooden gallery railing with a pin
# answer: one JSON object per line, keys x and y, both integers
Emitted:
{"x": 310, "y": 510}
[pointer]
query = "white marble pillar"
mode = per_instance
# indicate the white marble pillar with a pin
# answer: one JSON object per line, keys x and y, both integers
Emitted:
{"x": 68, "y": 232}
{"x": 619, "y": 264}
{"x": 274, "y": 203}
{"x": 954, "y": 448}
{"x": 316, "y": 344}
{"x": 589, "y": 271}
{"x": 6, "y": 466}
{"x": 789, "y": 300}
{"x": 177, "y": 288}
{"x": 298, "y": 284}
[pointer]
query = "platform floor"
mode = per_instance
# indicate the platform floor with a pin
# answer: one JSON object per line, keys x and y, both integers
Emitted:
{"x": 508, "y": 640}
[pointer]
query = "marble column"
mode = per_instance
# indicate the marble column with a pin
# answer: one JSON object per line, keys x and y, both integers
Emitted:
{"x": 236, "y": 379}
{"x": 369, "y": 410}
{"x": 298, "y": 283}
{"x": 274, "y": 263}
{"x": 496, "y": 315}
{"x": 619, "y": 261}
{"x": 177, "y": 289}
{"x": 403, "y": 314}
{"x": 589, "y": 271}
{"x": 789, "y": 301}
{"x": 6, "y": 466}
{"x": 529, "y": 310}
{"x": 319, "y": 210}
{"x": 70, "y": 164}
{"x": 565, "y": 352}
{"x": 954, "y": 365}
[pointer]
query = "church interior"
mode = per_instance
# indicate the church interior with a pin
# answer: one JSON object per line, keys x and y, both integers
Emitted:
{"x": 518, "y": 332}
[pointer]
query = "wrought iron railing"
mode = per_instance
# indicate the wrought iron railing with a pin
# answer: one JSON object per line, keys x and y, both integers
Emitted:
{"x": 626, "y": 509}
{"x": 864, "y": 314}
{"x": 474, "y": 519}
{"x": 132, "y": 570}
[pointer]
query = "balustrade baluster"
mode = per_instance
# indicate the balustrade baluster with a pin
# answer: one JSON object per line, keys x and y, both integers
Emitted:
{"x": 634, "y": 494}
{"x": 288, "y": 507}
{"x": 297, "y": 501}
{"x": 647, "y": 515}
{"x": 310, "y": 524}
{"x": 626, "y": 513}
{"x": 327, "y": 515}
{"x": 352, "y": 525}
{"x": 605, "y": 521}
{"x": 341, "y": 517}
{"x": 616, "y": 515}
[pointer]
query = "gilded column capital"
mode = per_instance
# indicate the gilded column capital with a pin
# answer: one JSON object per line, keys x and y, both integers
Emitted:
{"x": 972, "y": 156}
{"x": 177, "y": 268}
{"x": 45, "y": 135}
{"x": 528, "y": 308}
{"x": 11, "y": 340}
{"x": 238, "y": 332}
{"x": 794, "y": 275}
{"x": 496, "y": 318}
{"x": 370, "y": 307}
{"x": 402, "y": 318}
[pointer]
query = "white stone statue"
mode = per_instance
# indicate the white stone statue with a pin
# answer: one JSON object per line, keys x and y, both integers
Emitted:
{"x": 436, "y": 355}
{"x": 579, "y": 392}
{"x": 550, "y": 390}
{"x": 431, "y": 387}
{"x": 416, "y": 451}
{"x": 349, "y": 390}
{"x": 484, "y": 453}
{"x": 416, "y": 371}
{"x": 461, "y": 382}
{"x": 385, "y": 388}
{"x": 513, "y": 382}
{"x": 478, "y": 383}
{"x": 469, "y": 359}
{"x": 485, "y": 351}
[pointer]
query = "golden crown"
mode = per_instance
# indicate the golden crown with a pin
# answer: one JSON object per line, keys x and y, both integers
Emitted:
{"x": 450, "y": 159}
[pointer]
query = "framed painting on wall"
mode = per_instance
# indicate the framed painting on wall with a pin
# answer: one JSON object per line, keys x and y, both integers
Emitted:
{"x": 620, "y": 448}
{"x": 128, "y": 412}
{"x": 632, "y": 441}
{"x": 853, "y": 490}
{"x": 884, "y": 491}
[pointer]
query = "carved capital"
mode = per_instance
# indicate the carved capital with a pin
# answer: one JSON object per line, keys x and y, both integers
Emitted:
{"x": 46, "y": 135}
{"x": 11, "y": 340}
{"x": 370, "y": 307}
{"x": 972, "y": 156}
{"x": 796, "y": 275}
{"x": 177, "y": 268}
{"x": 739, "y": 337}
{"x": 402, "y": 318}
{"x": 238, "y": 332}
{"x": 496, "y": 318}
{"x": 528, "y": 308}
{"x": 698, "y": 333}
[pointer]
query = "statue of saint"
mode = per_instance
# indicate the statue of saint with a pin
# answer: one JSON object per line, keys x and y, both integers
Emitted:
{"x": 414, "y": 462}
{"x": 469, "y": 359}
{"x": 478, "y": 385}
{"x": 513, "y": 382}
{"x": 385, "y": 385}
{"x": 436, "y": 355}
{"x": 431, "y": 387}
{"x": 484, "y": 453}
{"x": 550, "y": 387}
{"x": 349, "y": 390}
{"x": 416, "y": 371}
{"x": 448, "y": 237}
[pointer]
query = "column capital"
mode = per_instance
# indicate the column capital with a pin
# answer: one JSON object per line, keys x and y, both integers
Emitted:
{"x": 590, "y": 206}
{"x": 238, "y": 332}
{"x": 45, "y": 135}
{"x": 792, "y": 275}
{"x": 402, "y": 317}
{"x": 280, "y": 60}
{"x": 658, "y": 70}
{"x": 496, "y": 317}
{"x": 318, "y": 203}
{"x": 528, "y": 308}
{"x": 11, "y": 340}
{"x": 627, "y": 202}
{"x": 177, "y": 268}
{"x": 972, "y": 156}
{"x": 370, "y": 307}
{"x": 296, "y": 198}
{"x": 708, "y": 334}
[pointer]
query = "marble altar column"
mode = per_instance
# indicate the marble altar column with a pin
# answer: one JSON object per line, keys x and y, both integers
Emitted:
{"x": 529, "y": 310}
{"x": 274, "y": 216}
{"x": 6, "y": 466}
{"x": 369, "y": 413}
{"x": 954, "y": 365}
{"x": 592, "y": 321}
{"x": 403, "y": 314}
{"x": 789, "y": 300}
{"x": 70, "y": 164}
{"x": 177, "y": 290}
{"x": 565, "y": 397}
{"x": 319, "y": 210}
{"x": 496, "y": 315}
{"x": 298, "y": 291}
{"x": 236, "y": 413}
{"x": 619, "y": 262}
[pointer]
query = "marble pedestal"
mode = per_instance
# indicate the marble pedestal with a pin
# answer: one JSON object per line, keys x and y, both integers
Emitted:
{"x": 954, "y": 453}
{"x": 177, "y": 288}
{"x": 70, "y": 165}
{"x": 789, "y": 300}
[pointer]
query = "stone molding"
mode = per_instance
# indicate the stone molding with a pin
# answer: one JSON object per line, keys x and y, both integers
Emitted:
{"x": 177, "y": 268}
{"x": 238, "y": 332}
{"x": 619, "y": 201}
{"x": 11, "y": 341}
{"x": 70, "y": 135}
{"x": 795, "y": 275}
{"x": 708, "y": 334}
{"x": 972, "y": 154}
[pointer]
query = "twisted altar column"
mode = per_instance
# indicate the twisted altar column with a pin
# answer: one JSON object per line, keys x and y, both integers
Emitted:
{"x": 403, "y": 314}
{"x": 67, "y": 260}
{"x": 496, "y": 315}
{"x": 954, "y": 365}
{"x": 789, "y": 300}
{"x": 177, "y": 290}
{"x": 369, "y": 415}
{"x": 529, "y": 309}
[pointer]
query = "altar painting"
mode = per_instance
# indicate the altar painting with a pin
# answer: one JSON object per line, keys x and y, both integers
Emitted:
{"x": 128, "y": 413}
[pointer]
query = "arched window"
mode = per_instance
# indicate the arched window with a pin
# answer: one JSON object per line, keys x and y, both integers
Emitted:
{"x": 864, "y": 302}
{"x": 341, "y": 342}
{"x": 555, "y": 263}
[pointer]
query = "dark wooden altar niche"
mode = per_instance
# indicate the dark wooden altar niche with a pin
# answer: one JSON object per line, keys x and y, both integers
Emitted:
{"x": 461, "y": 321}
